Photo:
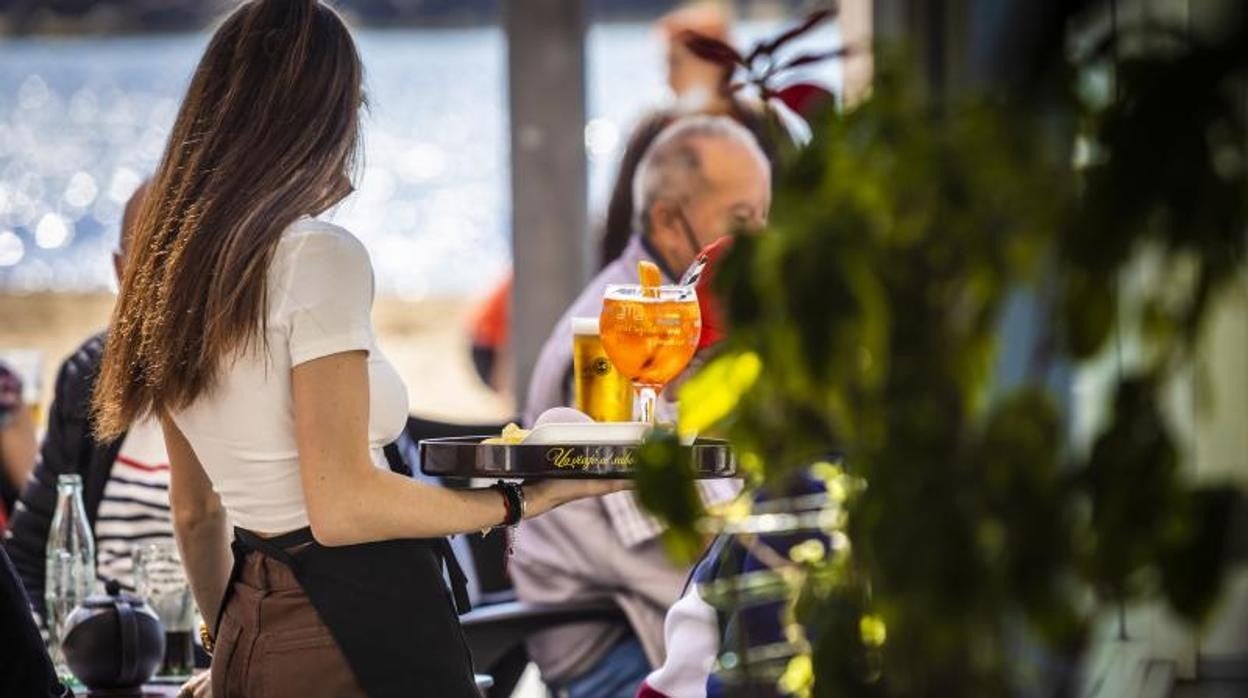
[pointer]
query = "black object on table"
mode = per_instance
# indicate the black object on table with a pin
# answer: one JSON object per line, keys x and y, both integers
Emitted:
{"x": 113, "y": 640}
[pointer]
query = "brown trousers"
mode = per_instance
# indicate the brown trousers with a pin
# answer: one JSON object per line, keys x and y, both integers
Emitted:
{"x": 271, "y": 642}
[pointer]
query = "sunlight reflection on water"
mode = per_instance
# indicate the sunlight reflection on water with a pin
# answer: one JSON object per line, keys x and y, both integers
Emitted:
{"x": 82, "y": 121}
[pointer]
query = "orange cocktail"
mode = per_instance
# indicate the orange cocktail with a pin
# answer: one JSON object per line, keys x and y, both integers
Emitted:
{"x": 650, "y": 334}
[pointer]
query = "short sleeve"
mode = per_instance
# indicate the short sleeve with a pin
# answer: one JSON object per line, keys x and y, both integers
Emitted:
{"x": 326, "y": 294}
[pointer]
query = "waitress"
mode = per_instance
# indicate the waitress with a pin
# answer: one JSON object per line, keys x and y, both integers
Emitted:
{"x": 243, "y": 325}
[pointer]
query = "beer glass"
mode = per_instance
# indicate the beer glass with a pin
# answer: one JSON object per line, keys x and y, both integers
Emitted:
{"x": 601, "y": 391}
{"x": 650, "y": 334}
{"x": 160, "y": 579}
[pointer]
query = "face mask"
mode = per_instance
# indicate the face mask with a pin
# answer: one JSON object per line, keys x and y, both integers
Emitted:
{"x": 687, "y": 229}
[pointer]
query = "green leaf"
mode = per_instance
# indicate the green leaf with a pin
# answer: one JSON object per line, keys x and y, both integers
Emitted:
{"x": 712, "y": 394}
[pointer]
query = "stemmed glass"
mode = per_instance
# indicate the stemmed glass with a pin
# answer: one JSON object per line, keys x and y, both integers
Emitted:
{"x": 650, "y": 333}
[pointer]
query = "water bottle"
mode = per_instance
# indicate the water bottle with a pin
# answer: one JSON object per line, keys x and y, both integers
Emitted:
{"x": 70, "y": 567}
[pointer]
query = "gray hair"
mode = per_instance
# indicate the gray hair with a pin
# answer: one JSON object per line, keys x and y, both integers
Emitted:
{"x": 672, "y": 166}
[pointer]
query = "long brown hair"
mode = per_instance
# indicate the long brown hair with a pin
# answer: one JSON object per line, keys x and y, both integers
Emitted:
{"x": 267, "y": 134}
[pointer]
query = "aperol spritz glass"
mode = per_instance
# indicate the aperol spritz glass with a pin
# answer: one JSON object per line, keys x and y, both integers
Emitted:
{"x": 650, "y": 333}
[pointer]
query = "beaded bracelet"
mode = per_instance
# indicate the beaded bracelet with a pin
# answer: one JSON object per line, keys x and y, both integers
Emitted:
{"x": 513, "y": 501}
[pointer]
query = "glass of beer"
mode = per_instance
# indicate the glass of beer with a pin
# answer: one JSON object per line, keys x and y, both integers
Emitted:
{"x": 160, "y": 579}
{"x": 650, "y": 333}
{"x": 601, "y": 392}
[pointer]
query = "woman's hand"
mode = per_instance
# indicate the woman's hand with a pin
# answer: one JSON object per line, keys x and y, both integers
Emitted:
{"x": 544, "y": 495}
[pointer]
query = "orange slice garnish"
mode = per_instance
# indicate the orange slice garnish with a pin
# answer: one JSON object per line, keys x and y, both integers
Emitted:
{"x": 649, "y": 275}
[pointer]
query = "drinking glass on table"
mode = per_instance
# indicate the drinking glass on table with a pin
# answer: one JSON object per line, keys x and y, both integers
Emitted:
{"x": 650, "y": 333}
{"x": 160, "y": 579}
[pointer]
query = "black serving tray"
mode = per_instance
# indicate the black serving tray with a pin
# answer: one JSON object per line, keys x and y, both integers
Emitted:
{"x": 466, "y": 456}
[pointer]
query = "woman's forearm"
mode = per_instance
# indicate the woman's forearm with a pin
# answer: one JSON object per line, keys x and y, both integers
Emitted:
{"x": 204, "y": 543}
{"x": 383, "y": 505}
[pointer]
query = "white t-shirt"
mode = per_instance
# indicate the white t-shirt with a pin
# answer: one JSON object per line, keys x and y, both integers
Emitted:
{"x": 320, "y": 299}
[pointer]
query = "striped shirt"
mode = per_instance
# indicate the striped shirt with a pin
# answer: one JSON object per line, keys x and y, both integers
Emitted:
{"x": 135, "y": 507}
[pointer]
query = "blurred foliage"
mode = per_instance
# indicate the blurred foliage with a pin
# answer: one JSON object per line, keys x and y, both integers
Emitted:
{"x": 867, "y": 320}
{"x": 671, "y": 491}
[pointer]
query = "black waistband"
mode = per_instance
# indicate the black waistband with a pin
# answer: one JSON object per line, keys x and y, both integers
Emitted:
{"x": 282, "y": 541}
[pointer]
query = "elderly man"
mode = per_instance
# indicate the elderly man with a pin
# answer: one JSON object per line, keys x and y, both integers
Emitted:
{"x": 703, "y": 178}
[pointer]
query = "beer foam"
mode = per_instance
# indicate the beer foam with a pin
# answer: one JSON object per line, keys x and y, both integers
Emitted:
{"x": 585, "y": 326}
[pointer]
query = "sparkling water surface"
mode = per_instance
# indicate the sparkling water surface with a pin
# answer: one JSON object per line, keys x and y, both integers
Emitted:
{"x": 82, "y": 121}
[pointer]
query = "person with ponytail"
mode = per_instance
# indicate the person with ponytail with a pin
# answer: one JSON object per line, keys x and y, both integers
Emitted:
{"x": 243, "y": 327}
